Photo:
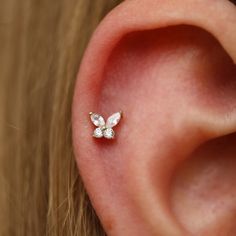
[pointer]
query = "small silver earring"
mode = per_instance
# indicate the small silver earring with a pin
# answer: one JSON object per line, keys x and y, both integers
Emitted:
{"x": 104, "y": 129}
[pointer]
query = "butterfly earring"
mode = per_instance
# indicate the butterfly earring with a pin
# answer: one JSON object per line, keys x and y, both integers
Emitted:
{"x": 105, "y": 128}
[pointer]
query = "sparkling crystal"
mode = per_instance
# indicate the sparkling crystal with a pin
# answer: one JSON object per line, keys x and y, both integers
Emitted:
{"x": 113, "y": 120}
{"x": 97, "y": 119}
{"x": 109, "y": 133}
{"x": 98, "y": 133}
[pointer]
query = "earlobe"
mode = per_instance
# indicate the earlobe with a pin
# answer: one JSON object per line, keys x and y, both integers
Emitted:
{"x": 172, "y": 72}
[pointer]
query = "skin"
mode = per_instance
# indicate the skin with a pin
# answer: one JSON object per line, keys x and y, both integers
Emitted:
{"x": 170, "y": 66}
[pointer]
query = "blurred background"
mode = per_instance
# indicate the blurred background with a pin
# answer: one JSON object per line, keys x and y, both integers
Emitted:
{"x": 41, "y": 45}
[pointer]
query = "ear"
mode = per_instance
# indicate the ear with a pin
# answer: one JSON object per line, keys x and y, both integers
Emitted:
{"x": 171, "y": 69}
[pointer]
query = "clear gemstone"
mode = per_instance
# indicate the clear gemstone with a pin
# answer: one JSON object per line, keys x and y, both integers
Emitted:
{"x": 113, "y": 120}
{"x": 98, "y": 133}
{"x": 97, "y": 119}
{"x": 109, "y": 133}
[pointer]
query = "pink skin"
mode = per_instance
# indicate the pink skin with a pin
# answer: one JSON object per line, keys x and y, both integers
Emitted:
{"x": 170, "y": 66}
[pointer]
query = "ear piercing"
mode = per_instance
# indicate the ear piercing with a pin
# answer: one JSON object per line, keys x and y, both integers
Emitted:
{"x": 104, "y": 129}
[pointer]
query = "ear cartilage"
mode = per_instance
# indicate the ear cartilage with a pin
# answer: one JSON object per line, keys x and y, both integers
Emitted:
{"x": 105, "y": 128}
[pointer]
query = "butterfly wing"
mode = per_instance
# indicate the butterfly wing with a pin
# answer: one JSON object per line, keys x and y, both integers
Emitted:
{"x": 113, "y": 120}
{"x": 109, "y": 133}
{"x": 98, "y": 133}
{"x": 97, "y": 119}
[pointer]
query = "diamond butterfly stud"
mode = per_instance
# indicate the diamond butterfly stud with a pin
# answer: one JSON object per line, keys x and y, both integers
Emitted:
{"x": 104, "y": 129}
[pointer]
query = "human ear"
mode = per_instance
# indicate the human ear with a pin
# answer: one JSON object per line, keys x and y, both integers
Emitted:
{"x": 170, "y": 66}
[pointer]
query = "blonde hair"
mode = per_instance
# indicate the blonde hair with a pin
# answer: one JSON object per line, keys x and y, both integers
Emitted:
{"x": 42, "y": 43}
